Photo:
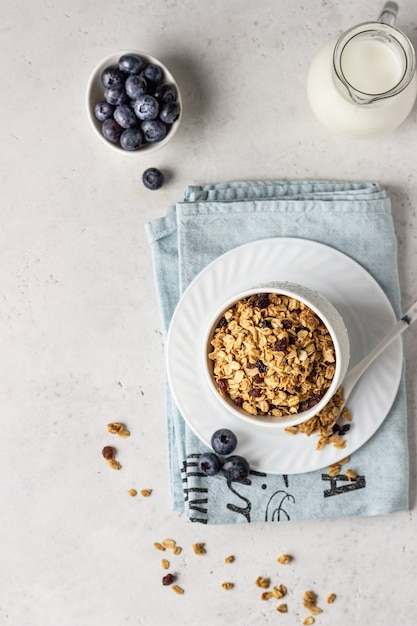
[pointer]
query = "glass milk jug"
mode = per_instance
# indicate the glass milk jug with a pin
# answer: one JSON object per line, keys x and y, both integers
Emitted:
{"x": 364, "y": 83}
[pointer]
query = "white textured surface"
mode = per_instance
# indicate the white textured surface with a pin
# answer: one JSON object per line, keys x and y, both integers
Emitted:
{"x": 80, "y": 340}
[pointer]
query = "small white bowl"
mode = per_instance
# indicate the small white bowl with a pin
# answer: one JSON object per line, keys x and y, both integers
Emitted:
{"x": 95, "y": 93}
{"x": 328, "y": 315}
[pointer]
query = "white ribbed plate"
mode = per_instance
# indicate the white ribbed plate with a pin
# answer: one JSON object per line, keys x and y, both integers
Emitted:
{"x": 367, "y": 313}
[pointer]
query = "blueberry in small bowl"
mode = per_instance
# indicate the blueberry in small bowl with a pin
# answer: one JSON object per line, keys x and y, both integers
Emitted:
{"x": 137, "y": 92}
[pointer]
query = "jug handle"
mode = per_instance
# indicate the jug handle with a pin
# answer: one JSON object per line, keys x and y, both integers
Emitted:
{"x": 389, "y": 13}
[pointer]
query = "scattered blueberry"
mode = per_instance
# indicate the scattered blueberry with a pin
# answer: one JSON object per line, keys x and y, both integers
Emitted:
{"x": 124, "y": 116}
{"x": 103, "y": 110}
{"x": 152, "y": 178}
{"x": 146, "y": 107}
{"x": 170, "y": 112}
{"x": 131, "y": 63}
{"x": 136, "y": 86}
{"x": 209, "y": 463}
{"x": 223, "y": 441}
{"x": 236, "y": 468}
{"x": 153, "y": 130}
{"x": 111, "y": 130}
{"x": 112, "y": 77}
{"x": 136, "y": 99}
{"x": 115, "y": 95}
{"x": 131, "y": 139}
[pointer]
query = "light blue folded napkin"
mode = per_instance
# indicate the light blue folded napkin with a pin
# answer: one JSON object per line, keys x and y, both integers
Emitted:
{"x": 354, "y": 218}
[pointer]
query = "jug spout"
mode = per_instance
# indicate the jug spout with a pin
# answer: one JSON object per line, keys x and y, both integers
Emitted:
{"x": 374, "y": 60}
{"x": 389, "y": 13}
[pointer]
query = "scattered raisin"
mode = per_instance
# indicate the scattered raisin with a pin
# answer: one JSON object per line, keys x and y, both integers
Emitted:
{"x": 261, "y": 366}
{"x": 257, "y": 380}
{"x": 266, "y": 324}
{"x": 286, "y": 324}
{"x": 255, "y": 393}
{"x": 108, "y": 452}
{"x": 344, "y": 429}
{"x": 168, "y": 579}
{"x": 238, "y": 401}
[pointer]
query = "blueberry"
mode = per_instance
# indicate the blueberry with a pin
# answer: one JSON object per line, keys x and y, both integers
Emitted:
{"x": 131, "y": 139}
{"x": 111, "y": 130}
{"x": 131, "y": 63}
{"x": 236, "y": 468}
{"x": 165, "y": 93}
{"x": 115, "y": 95}
{"x": 170, "y": 112}
{"x": 209, "y": 463}
{"x": 124, "y": 116}
{"x": 152, "y": 73}
{"x": 153, "y": 130}
{"x": 146, "y": 107}
{"x": 223, "y": 441}
{"x": 136, "y": 86}
{"x": 103, "y": 110}
{"x": 152, "y": 178}
{"x": 112, "y": 77}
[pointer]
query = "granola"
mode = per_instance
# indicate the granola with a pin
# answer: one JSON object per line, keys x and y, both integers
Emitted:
{"x": 262, "y": 582}
{"x": 272, "y": 355}
{"x": 199, "y": 548}
{"x": 227, "y": 586}
{"x": 284, "y": 559}
{"x": 325, "y": 423}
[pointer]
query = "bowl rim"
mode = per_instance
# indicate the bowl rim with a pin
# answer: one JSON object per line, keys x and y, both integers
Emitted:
{"x": 93, "y": 83}
{"x": 291, "y": 419}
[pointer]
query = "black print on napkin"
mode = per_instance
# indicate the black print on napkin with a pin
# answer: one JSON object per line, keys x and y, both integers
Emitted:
{"x": 349, "y": 485}
{"x": 194, "y": 496}
{"x": 273, "y": 504}
{"x": 243, "y": 496}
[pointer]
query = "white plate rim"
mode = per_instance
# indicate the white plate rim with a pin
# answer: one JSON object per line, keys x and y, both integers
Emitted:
{"x": 374, "y": 394}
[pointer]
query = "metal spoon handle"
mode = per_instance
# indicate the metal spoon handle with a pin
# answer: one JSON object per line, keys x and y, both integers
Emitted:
{"x": 411, "y": 314}
{"x": 355, "y": 373}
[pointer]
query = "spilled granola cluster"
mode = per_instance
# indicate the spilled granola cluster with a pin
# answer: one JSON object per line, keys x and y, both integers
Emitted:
{"x": 326, "y": 425}
{"x": 272, "y": 355}
{"x": 109, "y": 453}
{"x": 275, "y": 593}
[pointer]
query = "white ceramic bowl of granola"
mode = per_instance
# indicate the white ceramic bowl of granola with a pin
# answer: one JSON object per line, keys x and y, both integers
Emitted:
{"x": 312, "y": 339}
